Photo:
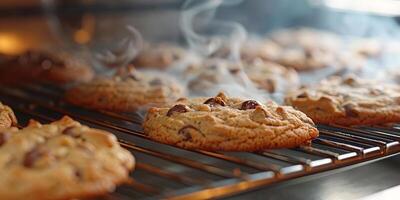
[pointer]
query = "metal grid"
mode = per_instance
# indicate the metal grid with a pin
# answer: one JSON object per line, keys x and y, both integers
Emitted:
{"x": 164, "y": 171}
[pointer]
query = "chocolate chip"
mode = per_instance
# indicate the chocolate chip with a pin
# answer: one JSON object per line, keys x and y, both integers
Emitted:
{"x": 4, "y": 136}
{"x": 33, "y": 155}
{"x": 375, "y": 91}
{"x": 182, "y": 99}
{"x": 234, "y": 71}
{"x": 302, "y": 95}
{"x": 176, "y": 56}
{"x": 156, "y": 82}
{"x": 308, "y": 53}
{"x": 280, "y": 110}
{"x": 78, "y": 174}
{"x": 71, "y": 131}
{"x": 177, "y": 108}
{"x": 185, "y": 132}
{"x": 213, "y": 67}
{"x": 215, "y": 101}
{"x": 350, "y": 110}
{"x": 250, "y": 104}
{"x": 349, "y": 81}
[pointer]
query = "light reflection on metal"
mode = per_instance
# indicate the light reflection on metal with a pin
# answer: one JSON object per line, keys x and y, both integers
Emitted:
{"x": 377, "y": 7}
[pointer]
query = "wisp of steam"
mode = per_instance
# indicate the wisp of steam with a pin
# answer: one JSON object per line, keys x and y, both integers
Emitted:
{"x": 205, "y": 34}
{"x": 125, "y": 51}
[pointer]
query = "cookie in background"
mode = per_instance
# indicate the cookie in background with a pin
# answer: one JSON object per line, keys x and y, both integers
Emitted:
{"x": 348, "y": 101}
{"x": 126, "y": 91}
{"x": 43, "y": 66}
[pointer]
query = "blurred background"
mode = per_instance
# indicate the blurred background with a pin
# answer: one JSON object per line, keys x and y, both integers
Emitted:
{"x": 28, "y": 24}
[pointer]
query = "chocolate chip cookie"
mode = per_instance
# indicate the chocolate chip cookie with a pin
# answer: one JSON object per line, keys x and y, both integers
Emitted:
{"x": 228, "y": 124}
{"x": 349, "y": 101}
{"x": 268, "y": 76}
{"x": 271, "y": 76}
{"x": 45, "y": 67}
{"x": 159, "y": 56}
{"x": 7, "y": 117}
{"x": 61, "y": 160}
{"x": 126, "y": 91}
{"x": 212, "y": 75}
{"x": 306, "y": 49}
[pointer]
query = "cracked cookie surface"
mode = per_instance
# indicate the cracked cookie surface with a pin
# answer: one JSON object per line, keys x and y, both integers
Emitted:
{"x": 348, "y": 101}
{"x": 127, "y": 91}
{"x": 7, "y": 117}
{"x": 61, "y": 160}
{"x": 228, "y": 124}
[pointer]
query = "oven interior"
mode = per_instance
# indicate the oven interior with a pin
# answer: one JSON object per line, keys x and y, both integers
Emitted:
{"x": 164, "y": 171}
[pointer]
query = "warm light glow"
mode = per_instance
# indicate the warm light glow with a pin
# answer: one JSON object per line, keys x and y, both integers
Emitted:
{"x": 84, "y": 34}
{"x": 10, "y": 44}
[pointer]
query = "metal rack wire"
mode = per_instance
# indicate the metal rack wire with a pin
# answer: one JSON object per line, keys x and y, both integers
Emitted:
{"x": 164, "y": 171}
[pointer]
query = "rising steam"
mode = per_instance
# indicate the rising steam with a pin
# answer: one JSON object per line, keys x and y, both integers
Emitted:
{"x": 124, "y": 51}
{"x": 205, "y": 35}
{"x": 218, "y": 33}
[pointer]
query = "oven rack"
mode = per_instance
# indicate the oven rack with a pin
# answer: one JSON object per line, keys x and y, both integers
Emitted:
{"x": 164, "y": 171}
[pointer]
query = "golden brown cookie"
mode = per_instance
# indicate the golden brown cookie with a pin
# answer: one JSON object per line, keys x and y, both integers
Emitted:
{"x": 7, "y": 117}
{"x": 306, "y": 49}
{"x": 211, "y": 74}
{"x": 307, "y": 38}
{"x": 271, "y": 77}
{"x": 348, "y": 101}
{"x": 268, "y": 76}
{"x": 61, "y": 160}
{"x": 126, "y": 91}
{"x": 41, "y": 66}
{"x": 228, "y": 124}
{"x": 302, "y": 49}
{"x": 159, "y": 56}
